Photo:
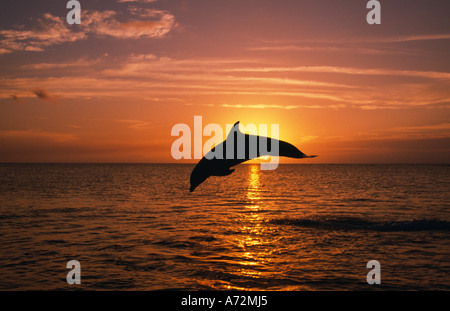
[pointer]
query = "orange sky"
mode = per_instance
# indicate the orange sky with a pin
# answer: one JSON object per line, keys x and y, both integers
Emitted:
{"x": 110, "y": 89}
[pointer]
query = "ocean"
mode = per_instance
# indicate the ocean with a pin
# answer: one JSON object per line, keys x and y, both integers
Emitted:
{"x": 299, "y": 227}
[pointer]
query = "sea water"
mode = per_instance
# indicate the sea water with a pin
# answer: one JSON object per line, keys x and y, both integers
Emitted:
{"x": 299, "y": 227}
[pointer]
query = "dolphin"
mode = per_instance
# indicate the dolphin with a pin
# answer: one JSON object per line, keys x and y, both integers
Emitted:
{"x": 217, "y": 163}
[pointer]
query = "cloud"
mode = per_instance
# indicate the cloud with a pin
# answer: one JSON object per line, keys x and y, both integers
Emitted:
{"x": 439, "y": 129}
{"x": 433, "y": 131}
{"x": 346, "y": 70}
{"x": 49, "y": 30}
{"x": 353, "y": 48}
{"x": 81, "y": 62}
{"x": 75, "y": 65}
{"x": 46, "y": 31}
{"x": 140, "y": 77}
{"x": 147, "y": 23}
{"x": 5, "y": 51}
{"x": 260, "y": 106}
{"x": 44, "y": 95}
{"x": 427, "y": 37}
{"x": 136, "y": 124}
{"x": 385, "y": 45}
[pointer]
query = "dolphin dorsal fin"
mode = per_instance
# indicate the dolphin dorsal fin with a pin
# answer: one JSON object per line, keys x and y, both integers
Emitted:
{"x": 235, "y": 128}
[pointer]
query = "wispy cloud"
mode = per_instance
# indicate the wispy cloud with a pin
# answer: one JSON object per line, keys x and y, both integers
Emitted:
{"x": 427, "y": 37}
{"x": 433, "y": 131}
{"x": 146, "y": 23}
{"x": 78, "y": 63}
{"x": 260, "y": 106}
{"x": 46, "y": 31}
{"x": 140, "y": 77}
{"x": 49, "y": 30}
{"x": 444, "y": 127}
{"x": 136, "y": 124}
{"x": 329, "y": 48}
{"x": 347, "y": 70}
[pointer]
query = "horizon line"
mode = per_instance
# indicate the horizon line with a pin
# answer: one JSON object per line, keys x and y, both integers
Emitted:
{"x": 172, "y": 163}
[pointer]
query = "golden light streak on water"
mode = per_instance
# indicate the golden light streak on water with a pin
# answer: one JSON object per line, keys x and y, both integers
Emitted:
{"x": 254, "y": 184}
{"x": 254, "y": 241}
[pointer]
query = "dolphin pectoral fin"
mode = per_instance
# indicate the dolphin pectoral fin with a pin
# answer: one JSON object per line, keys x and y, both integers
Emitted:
{"x": 223, "y": 173}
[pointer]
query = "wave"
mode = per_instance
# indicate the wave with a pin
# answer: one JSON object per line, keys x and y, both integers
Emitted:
{"x": 353, "y": 223}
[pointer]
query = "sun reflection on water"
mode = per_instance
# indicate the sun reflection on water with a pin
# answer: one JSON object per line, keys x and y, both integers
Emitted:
{"x": 254, "y": 242}
{"x": 254, "y": 185}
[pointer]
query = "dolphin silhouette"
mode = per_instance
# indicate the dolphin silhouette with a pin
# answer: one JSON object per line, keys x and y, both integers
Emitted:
{"x": 218, "y": 162}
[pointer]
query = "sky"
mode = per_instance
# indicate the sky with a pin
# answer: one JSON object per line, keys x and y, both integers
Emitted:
{"x": 111, "y": 89}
